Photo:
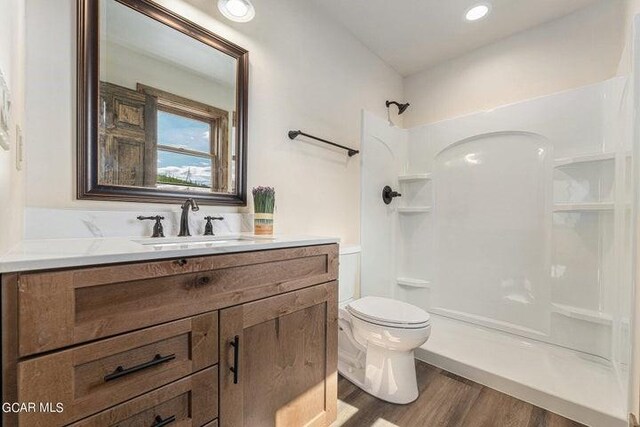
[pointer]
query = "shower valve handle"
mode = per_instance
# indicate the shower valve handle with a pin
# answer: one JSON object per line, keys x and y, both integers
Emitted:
{"x": 388, "y": 194}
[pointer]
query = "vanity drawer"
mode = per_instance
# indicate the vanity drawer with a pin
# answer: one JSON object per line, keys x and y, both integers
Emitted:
{"x": 191, "y": 401}
{"x": 61, "y": 308}
{"x": 90, "y": 378}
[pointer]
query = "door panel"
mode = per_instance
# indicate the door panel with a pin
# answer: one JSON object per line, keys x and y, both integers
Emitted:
{"x": 126, "y": 137}
{"x": 130, "y": 159}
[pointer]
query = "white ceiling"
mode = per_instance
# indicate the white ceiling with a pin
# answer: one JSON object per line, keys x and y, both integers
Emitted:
{"x": 412, "y": 35}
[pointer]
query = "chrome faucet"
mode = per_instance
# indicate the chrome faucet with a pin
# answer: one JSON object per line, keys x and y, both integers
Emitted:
{"x": 184, "y": 218}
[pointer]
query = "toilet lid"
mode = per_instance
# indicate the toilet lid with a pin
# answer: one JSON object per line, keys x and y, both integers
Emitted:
{"x": 388, "y": 312}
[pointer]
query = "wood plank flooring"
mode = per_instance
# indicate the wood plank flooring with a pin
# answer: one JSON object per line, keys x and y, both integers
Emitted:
{"x": 446, "y": 400}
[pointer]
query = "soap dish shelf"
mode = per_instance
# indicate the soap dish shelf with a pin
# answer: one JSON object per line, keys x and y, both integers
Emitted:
{"x": 413, "y": 209}
{"x": 415, "y": 177}
{"x": 413, "y": 283}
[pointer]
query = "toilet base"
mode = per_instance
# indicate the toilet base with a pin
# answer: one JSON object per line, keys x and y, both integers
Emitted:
{"x": 354, "y": 375}
{"x": 388, "y": 375}
{"x": 391, "y": 375}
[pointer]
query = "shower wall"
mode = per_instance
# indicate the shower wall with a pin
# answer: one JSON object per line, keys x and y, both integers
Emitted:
{"x": 383, "y": 154}
{"x": 518, "y": 218}
{"x": 491, "y": 210}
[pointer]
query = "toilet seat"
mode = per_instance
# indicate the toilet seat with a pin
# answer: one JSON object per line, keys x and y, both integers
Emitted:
{"x": 389, "y": 313}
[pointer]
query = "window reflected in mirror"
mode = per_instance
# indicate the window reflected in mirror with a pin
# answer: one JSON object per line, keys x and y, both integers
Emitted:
{"x": 185, "y": 154}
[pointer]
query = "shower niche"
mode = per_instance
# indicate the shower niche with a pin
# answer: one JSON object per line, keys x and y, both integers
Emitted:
{"x": 584, "y": 183}
{"x": 414, "y": 217}
{"x": 584, "y": 268}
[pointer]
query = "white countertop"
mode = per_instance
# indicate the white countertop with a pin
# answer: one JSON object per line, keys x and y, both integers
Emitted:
{"x": 30, "y": 255}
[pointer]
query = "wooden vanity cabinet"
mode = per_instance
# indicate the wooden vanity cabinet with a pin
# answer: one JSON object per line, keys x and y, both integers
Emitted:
{"x": 247, "y": 339}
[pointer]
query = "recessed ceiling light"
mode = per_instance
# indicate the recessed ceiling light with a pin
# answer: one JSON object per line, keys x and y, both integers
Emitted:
{"x": 477, "y": 12}
{"x": 237, "y": 10}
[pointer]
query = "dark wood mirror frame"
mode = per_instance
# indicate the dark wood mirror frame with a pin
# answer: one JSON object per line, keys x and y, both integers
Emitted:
{"x": 88, "y": 24}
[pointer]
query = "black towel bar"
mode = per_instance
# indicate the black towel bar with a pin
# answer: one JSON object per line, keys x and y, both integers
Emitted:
{"x": 293, "y": 134}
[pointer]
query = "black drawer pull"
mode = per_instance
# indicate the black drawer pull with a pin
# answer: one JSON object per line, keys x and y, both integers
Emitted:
{"x": 181, "y": 262}
{"x": 121, "y": 372}
{"x": 160, "y": 422}
{"x": 236, "y": 355}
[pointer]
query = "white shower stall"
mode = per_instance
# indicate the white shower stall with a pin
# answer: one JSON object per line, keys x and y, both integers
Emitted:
{"x": 514, "y": 232}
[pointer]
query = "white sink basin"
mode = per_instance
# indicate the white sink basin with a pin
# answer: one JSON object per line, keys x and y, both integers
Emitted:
{"x": 195, "y": 242}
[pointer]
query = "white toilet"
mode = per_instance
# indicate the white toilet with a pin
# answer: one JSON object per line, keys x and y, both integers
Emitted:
{"x": 377, "y": 337}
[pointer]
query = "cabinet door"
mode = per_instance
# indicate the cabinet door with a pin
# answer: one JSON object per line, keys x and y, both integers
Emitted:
{"x": 278, "y": 360}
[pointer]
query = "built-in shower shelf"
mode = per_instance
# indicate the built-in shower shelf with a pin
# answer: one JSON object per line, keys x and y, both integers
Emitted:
{"x": 414, "y": 209}
{"x": 413, "y": 283}
{"x": 414, "y": 177}
{"x": 596, "y": 157}
{"x": 583, "y": 207}
{"x": 583, "y": 314}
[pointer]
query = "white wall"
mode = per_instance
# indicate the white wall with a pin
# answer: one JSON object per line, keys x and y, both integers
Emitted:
{"x": 579, "y": 49}
{"x": 632, "y": 8}
{"x": 306, "y": 72}
{"x": 12, "y": 65}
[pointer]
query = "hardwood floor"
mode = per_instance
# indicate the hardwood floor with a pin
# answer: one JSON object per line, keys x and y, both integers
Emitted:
{"x": 445, "y": 400}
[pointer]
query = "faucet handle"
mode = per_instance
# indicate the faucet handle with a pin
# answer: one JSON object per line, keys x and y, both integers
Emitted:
{"x": 388, "y": 194}
{"x": 208, "y": 228}
{"x": 158, "y": 230}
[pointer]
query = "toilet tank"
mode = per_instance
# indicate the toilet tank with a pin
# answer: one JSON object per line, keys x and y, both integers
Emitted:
{"x": 349, "y": 275}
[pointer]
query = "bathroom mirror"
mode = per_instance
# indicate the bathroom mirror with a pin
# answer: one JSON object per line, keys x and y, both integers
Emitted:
{"x": 162, "y": 107}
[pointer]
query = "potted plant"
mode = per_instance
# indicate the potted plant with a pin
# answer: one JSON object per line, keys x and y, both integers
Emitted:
{"x": 264, "y": 200}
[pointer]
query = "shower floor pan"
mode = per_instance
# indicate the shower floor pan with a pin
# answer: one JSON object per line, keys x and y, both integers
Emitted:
{"x": 563, "y": 381}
